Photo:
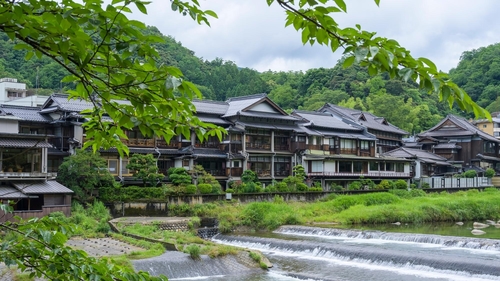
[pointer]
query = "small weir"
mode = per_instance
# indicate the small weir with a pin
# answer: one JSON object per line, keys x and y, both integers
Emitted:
{"x": 449, "y": 241}
{"x": 338, "y": 254}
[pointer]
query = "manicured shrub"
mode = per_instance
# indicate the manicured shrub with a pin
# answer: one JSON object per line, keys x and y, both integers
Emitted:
{"x": 400, "y": 184}
{"x": 302, "y": 187}
{"x": 229, "y": 190}
{"x": 413, "y": 185}
{"x": 190, "y": 189}
{"x": 470, "y": 174}
{"x": 355, "y": 185}
{"x": 336, "y": 187}
{"x": 367, "y": 184}
{"x": 270, "y": 188}
{"x": 282, "y": 187}
{"x": 216, "y": 188}
{"x": 426, "y": 185}
{"x": 205, "y": 188}
{"x": 489, "y": 173}
{"x": 384, "y": 184}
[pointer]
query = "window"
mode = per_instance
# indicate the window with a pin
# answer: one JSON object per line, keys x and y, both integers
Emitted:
{"x": 347, "y": 143}
{"x": 489, "y": 147}
{"x": 113, "y": 166}
{"x": 357, "y": 167}
{"x": 135, "y": 135}
{"x": 345, "y": 167}
{"x": 389, "y": 166}
{"x": 316, "y": 166}
{"x": 485, "y": 126}
{"x": 373, "y": 166}
{"x": 301, "y": 139}
{"x": 236, "y": 164}
{"x": 365, "y": 145}
{"x": 124, "y": 169}
{"x": 400, "y": 167}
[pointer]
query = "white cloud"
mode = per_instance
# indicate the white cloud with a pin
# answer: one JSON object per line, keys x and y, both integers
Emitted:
{"x": 253, "y": 35}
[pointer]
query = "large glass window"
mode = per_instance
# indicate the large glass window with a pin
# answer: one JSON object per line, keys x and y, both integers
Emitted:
{"x": 345, "y": 167}
{"x": 347, "y": 143}
{"x": 389, "y": 166}
{"x": 113, "y": 166}
{"x": 489, "y": 147}
{"x": 400, "y": 167}
{"x": 316, "y": 166}
{"x": 373, "y": 166}
{"x": 357, "y": 167}
{"x": 365, "y": 145}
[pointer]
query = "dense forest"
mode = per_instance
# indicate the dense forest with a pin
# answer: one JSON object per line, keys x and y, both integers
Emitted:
{"x": 403, "y": 104}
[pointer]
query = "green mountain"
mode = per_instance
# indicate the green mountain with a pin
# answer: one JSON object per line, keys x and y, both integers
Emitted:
{"x": 402, "y": 104}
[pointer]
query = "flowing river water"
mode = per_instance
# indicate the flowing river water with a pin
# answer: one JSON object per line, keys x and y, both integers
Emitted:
{"x": 313, "y": 253}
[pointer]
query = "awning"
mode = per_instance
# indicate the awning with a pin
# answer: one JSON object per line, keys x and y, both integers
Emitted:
{"x": 42, "y": 187}
{"x": 489, "y": 158}
{"x": 23, "y": 143}
{"x": 7, "y": 192}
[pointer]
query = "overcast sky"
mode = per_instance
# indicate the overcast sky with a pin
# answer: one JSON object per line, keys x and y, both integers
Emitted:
{"x": 253, "y": 35}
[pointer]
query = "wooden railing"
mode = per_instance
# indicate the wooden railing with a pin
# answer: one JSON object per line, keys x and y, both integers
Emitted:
{"x": 282, "y": 147}
{"x": 263, "y": 173}
{"x": 163, "y": 144}
{"x": 234, "y": 172}
{"x": 299, "y": 145}
{"x": 314, "y": 146}
{"x": 281, "y": 173}
{"x": 258, "y": 146}
{"x": 65, "y": 209}
{"x": 368, "y": 174}
{"x": 348, "y": 151}
{"x": 139, "y": 142}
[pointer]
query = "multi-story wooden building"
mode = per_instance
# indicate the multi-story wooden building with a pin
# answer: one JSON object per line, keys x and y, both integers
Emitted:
{"x": 388, "y": 136}
{"x": 461, "y": 143}
{"x": 261, "y": 137}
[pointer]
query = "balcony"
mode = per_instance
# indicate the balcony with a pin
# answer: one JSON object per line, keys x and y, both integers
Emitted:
{"x": 217, "y": 172}
{"x": 234, "y": 172}
{"x": 173, "y": 144}
{"x": 27, "y": 175}
{"x": 46, "y": 210}
{"x": 259, "y": 146}
{"x": 235, "y": 148}
{"x": 208, "y": 144}
{"x": 299, "y": 146}
{"x": 369, "y": 174}
{"x": 282, "y": 147}
{"x": 353, "y": 151}
{"x": 263, "y": 173}
{"x": 139, "y": 142}
{"x": 314, "y": 146}
{"x": 282, "y": 173}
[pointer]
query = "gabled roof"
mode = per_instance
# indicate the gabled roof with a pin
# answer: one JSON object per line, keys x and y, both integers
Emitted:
{"x": 210, "y": 106}
{"x": 41, "y": 187}
{"x": 325, "y": 120}
{"x": 62, "y": 103}
{"x": 366, "y": 119}
{"x": 246, "y": 106}
{"x": 454, "y": 126}
{"x": 24, "y": 113}
{"x": 411, "y": 153}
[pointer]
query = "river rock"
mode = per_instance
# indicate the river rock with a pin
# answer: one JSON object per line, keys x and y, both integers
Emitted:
{"x": 396, "y": 223}
{"x": 497, "y": 225}
{"x": 477, "y": 232}
{"x": 490, "y": 222}
{"x": 459, "y": 223}
{"x": 480, "y": 225}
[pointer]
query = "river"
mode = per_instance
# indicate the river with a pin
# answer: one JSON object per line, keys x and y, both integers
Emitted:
{"x": 313, "y": 253}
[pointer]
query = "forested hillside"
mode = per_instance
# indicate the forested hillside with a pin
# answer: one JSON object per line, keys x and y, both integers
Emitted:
{"x": 403, "y": 104}
{"x": 478, "y": 72}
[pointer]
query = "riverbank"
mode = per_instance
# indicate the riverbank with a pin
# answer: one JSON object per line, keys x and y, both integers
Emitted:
{"x": 395, "y": 206}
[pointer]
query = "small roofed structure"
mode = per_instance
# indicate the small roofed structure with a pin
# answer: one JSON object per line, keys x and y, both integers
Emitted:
{"x": 36, "y": 198}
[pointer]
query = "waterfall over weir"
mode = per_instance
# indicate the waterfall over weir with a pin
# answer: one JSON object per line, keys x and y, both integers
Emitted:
{"x": 449, "y": 241}
{"x": 333, "y": 254}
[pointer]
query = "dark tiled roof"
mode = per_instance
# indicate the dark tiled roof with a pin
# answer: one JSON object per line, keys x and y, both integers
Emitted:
{"x": 267, "y": 115}
{"x": 26, "y": 113}
{"x": 209, "y": 106}
{"x": 371, "y": 122}
{"x": 450, "y": 145}
{"x": 213, "y": 119}
{"x": 7, "y": 192}
{"x": 490, "y": 158}
{"x": 145, "y": 150}
{"x": 411, "y": 153}
{"x": 209, "y": 153}
{"x": 24, "y": 143}
{"x": 325, "y": 120}
{"x": 238, "y": 104}
{"x": 42, "y": 187}
{"x": 63, "y": 104}
{"x": 463, "y": 128}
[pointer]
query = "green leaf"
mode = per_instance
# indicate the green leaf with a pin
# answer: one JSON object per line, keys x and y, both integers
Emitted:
{"x": 348, "y": 62}
{"x": 341, "y": 5}
{"x": 429, "y": 63}
{"x": 360, "y": 53}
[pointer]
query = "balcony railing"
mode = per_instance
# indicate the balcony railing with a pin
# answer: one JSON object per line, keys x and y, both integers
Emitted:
{"x": 369, "y": 174}
{"x": 139, "y": 142}
{"x": 208, "y": 144}
{"x": 282, "y": 147}
{"x": 281, "y": 173}
{"x": 163, "y": 144}
{"x": 314, "y": 146}
{"x": 348, "y": 151}
{"x": 234, "y": 172}
{"x": 258, "y": 146}
{"x": 27, "y": 175}
{"x": 217, "y": 172}
{"x": 235, "y": 148}
{"x": 299, "y": 146}
{"x": 65, "y": 209}
{"x": 263, "y": 173}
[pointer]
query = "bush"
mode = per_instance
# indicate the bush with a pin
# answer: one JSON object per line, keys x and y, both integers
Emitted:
{"x": 229, "y": 190}
{"x": 130, "y": 193}
{"x": 367, "y": 184}
{"x": 270, "y": 188}
{"x": 355, "y": 185}
{"x": 315, "y": 189}
{"x": 336, "y": 187}
{"x": 384, "y": 184}
{"x": 216, "y": 188}
{"x": 282, "y": 187}
{"x": 470, "y": 174}
{"x": 302, "y": 186}
{"x": 426, "y": 185}
{"x": 489, "y": 173}
{"x": 205, "y": 188}
{"x": 190, "y": 189}
{"x": 400, "y": 184}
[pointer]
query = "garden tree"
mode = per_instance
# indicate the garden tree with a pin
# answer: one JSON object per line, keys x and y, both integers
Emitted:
{"x": 200, "y": 176}
{"x": 144, "y": 168}
{"x": 84, "y": 173}
{"x": 110, "y": 58}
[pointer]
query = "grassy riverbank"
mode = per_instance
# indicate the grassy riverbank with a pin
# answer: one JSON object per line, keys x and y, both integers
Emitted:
{"x": 403, "y": 206}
